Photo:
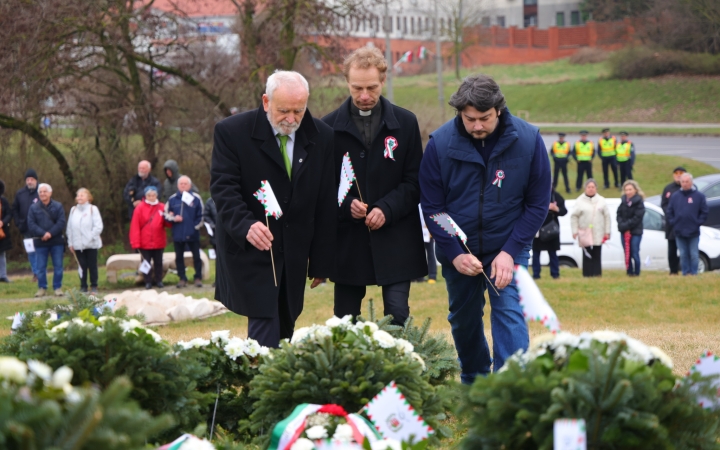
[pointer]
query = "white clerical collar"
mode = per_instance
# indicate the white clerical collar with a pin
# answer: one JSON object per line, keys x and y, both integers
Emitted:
{"x": 365, "y": 113}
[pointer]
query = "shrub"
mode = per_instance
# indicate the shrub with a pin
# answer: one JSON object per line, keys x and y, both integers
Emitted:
{"x": 342, "y": 364}
{"x": 644, "y": 62}
{"x": 99, "y": 350}
{"x": 589, "y": 55}
{"x": 40, "y": 409}
{"x": 625, "y": 391}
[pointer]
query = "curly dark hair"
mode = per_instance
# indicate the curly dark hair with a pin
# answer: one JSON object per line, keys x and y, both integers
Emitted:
{"x": 479, "y": 91}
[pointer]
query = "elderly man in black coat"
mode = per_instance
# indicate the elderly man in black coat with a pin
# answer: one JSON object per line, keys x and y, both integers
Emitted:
{"x": 379, "y": 235}
{"x": 283, "y": 144}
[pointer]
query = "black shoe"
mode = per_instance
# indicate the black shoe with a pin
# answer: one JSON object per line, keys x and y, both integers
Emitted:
{"x": 160, "y": 285}
{"x": 148, "y": 285}
{"x": 83, "y": 290}
{"x": 5, "y": 280}
{"x": 181, "y": 284}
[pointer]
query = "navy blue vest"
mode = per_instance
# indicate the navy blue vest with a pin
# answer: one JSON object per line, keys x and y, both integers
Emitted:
{"x": 486, "y": 201}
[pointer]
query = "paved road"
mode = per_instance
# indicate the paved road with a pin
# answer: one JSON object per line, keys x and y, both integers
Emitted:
{"x": 705, "y": 149}
{"x": 621, "y": 125}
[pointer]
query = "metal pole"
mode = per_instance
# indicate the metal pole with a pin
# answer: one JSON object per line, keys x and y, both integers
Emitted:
{"x": 439, "y": 64}
{"x": 388, "y": 55}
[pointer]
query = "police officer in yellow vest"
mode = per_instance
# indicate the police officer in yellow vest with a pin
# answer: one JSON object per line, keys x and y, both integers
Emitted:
{"x": 607, "y": 147}
{"x": 560, "y": 154}
{"x": 583, "y": 152}
{"x": 625, "y": 154}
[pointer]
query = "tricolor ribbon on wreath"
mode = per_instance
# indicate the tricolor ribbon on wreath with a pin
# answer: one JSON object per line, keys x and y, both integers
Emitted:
{"x": 533, "y": 303}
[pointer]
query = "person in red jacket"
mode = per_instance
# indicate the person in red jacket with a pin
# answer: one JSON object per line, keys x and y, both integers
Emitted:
{"x": 147, "y": 233}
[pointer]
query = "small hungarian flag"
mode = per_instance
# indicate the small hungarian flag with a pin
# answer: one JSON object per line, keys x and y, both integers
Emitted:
{"x": 347, "y": 176}
{"x": 449, "y": 225}
{"x": 266, "y": 197}
{"x": 422, "y": 52}
{"x": 406, "y": 57}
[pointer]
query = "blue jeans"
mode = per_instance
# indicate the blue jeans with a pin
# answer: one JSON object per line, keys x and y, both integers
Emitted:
{"x": 635, "y": 262}
{"x": 41, "y": 258}
{"x": 554, "y": 264}
{"x": 689, "y": 254}
{"x": 467, "y": 301}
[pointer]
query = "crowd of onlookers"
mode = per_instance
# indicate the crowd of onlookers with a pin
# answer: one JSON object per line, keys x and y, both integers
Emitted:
{"x": 47, "y": 231}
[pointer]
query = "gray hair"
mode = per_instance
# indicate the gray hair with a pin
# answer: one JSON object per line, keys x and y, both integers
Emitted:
{"x": 186, "y": 177}
{"x": 146, "y": 162}
{"x": 45, "y": 185}
{"x": 281, "y": 77}
{"x": 590, "y": 180}
{"x": 479, "y": 91}
{"x": 686, "y": 174}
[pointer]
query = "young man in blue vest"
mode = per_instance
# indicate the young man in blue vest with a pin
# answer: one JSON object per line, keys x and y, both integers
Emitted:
{"x": 489, "y": 171}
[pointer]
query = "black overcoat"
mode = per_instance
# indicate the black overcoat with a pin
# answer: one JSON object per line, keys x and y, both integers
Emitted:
{"x": 630, "y": 217}
{"x": 554, "y": 245}
{"x": 245, "y": 153}
{"x": 395, "y": 252}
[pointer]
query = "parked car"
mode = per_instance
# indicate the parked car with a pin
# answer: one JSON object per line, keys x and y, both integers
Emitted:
{"x": 653, "y": 248}
{"x": 710, "y": 186}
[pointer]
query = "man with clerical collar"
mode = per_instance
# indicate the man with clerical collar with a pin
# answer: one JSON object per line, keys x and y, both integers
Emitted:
{"x": 380, "y": 238}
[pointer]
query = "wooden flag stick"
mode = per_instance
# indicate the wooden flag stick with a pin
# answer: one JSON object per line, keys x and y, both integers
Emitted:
{"x": 272, "y": 258}
{"x": 361, "y": 199}
{"x": 483, "y": 272}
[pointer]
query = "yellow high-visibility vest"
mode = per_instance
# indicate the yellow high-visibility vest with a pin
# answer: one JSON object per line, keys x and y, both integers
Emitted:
{"x": 623, "y": 151}
{"x": 607, "y": 146}
{"x": 561, "y": 150}
{"x": 584, "y": 150}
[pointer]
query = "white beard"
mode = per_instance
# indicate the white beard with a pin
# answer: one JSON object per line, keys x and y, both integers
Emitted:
{"x": 283, "y": 127}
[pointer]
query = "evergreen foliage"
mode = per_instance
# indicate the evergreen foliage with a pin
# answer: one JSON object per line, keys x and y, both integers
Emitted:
{"x": 628, "y": 397}
{"x": 342, "y": 364}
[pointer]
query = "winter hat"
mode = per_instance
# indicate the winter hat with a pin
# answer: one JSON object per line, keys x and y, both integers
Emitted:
{"x": 150, "y": 188}
{"x": 31, "y": 173}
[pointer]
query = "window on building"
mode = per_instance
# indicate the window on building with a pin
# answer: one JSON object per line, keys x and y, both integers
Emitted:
{"x": 485, "y": 21}
{"x": 364, "y": 24}
{"x": 530, "y": 2}
{"x": 399, "y": 28}
{"x": 404, "y": 28}
{"x": 575, "y": 18}
{"x": 530, "y": 20}
{"x": 412, "y": 25}
{"x": 450, "y": 25}
{"x": 442, "y": 26}
{"x": 427, "y": 24}
{"x": 501, "y": 21}
{"x": 560, "y": 19}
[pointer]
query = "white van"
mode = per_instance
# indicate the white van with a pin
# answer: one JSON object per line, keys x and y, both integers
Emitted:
{"x": 653, "y": 247}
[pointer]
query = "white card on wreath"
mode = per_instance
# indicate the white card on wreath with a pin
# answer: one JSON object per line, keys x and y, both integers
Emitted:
{"x": 145, "y": 267}
{"x": 29, "y": 245}
{"x": 188, "y": 198}
{"x": 394, "y": 417}
{"x": 569, "y": 434}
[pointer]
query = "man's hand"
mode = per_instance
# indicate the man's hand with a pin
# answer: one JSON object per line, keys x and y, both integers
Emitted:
{"x": 554, "y": 207}
{"x": 260, "y": 236}
{"x": 358, "y": 209}
{"x": 375, "y": 219}
{"x": 468, "y": 265}
{"x": 46, "y": 236}
{"x": 1, "y": 224}
{"x": 502, "y": 270}
{"x": 72, "y": 250}
{"x": 317, "y": 282}
{"x": 177, "y": 218}
{"x": 136, "y": 202}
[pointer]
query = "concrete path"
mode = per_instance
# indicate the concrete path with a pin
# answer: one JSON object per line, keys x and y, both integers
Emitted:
{"x": 596, "y": 127}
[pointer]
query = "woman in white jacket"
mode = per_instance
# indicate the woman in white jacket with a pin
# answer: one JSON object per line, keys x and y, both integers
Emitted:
{"x": 590, "y": 223}
{"x": 83, "y": 233}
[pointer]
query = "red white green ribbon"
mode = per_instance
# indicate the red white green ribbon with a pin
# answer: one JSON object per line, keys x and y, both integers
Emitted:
{"x": 499, "y": 177}
{"x": 390, "y": 145}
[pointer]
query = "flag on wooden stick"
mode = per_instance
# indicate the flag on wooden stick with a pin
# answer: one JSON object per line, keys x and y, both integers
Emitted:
{"x": 347, "y": 176}
{"x": 448, "y": 224}
{"x": 266, "y": 197}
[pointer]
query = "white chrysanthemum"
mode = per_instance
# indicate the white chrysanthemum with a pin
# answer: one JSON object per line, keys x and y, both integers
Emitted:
{"x": 320, "y": 333}
{"x": 565, "y": 339}
{"x": 220, "y": 337}
{"x": 62, "y": 377}
{"x": 194, "y": 443}
{"x": 252, "y": 348}
{"x": 235, "y": 348}
{"x": 333, "y": 322}
{"x": 103, "y": 319}
{"x": 300, "y": 334}
{"x": 638, "y": 350}
{"x": 661, "y": 356}
{"x": 404, "y": 346}
{"x": 78, "y": 321}
{"x": 316, "y": 432}
{"x": 12, "y": 369}
{"x": 73, "y": 396}
{"x": 419, "y": 359}
{"x": 199, "y": 342}
{"x": 40, "y": 369}
{"x": 130, "y": 325}
{"x": 343, "y": 432}
{"x": 303, "y": 444}
{"x": 59, "y": 327}
{"x": 607, "y": 336}
{"x": 264, "y": 351}
{"x": 384, "y": 339}
{"x": 386, "y": 444}
{"x": 542, "y": 340}
{"x": 185, "y": 345}
{"x": 369, "y": 327}
{"x": 154, "y": 335}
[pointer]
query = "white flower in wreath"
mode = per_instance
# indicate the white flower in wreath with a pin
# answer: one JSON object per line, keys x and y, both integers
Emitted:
{"x": 316, "y": 432}
{"x": 130, "y": 325}
{"x": 344, "y": 433}
{"x": 264, "y": 351}
{"x": 638, "y": 350}
{"x": 59, "y": 327}
{"x": 197, "y": 444}
{"x": 300, "y": 334}
{"x": 369, "y": 327}
{"x": 103, "y": 319}
{"x": 384, "y": 339}
{"x": 40, "y": 369}
{"x": 661, "y": 356}
{"x": 419, "y": 359}
{"x": 78, "y": 321}
{"x": 61, "y": 378}
{"x": 404, "y": 346}
{"x": 235, "y": 348}
{"x": 252, "y": 348}
{"x": 334, "y": 322}
{"x": 386, "y": 444}
{"x": 303, "y": 444}
{"x": 220, "y": 337}
{"x": 607, "y": 336}
{"x": 320, "y": 333}
{"x": 12, "y": 369}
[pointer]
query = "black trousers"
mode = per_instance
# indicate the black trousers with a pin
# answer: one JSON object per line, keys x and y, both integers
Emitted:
{"x": 607, "y": 163}
{"x": 348, "y": 300}
{"x": 673, "y": 258}
{"x": 269, "y": 331}
{"x": 584, "y": 168}
{"x": 592, "y": 265}
{"x": 194, "y": 247}
{"x": 431, "y": 260}
{"x": 625, "y": 171}
{"x": 154, "y": 257}
{"x": 88, "y": 263}
{"x": 561, "y": 167}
